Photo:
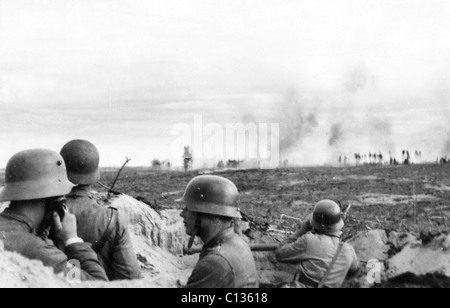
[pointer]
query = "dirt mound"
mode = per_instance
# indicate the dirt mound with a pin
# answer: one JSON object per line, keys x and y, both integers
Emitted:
{"x": 371, "y": 245}
{"x": 158, "y": 240}
{"x": 3, "y": 206}
{"x": 422, "y": 260}
{"x": 19, "y": 272}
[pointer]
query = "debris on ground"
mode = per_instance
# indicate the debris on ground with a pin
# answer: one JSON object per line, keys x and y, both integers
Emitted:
{"x": 420, "y": 262}
{"x": 159, "y": 237}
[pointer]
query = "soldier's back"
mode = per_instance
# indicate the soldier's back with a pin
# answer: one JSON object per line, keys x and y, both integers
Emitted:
{"x": 101, "y": 226}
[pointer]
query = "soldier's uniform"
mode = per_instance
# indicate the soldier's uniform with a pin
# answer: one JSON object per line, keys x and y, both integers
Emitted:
{"x": 107, "y": 232}
{"x": 312, "y": 254}
{"x": 100, "y": 226}
{"x": 18, "y": 234}
{"x": 226, "y": 262}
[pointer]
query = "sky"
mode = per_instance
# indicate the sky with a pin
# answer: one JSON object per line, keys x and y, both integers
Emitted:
{"x": 339, "y": 76}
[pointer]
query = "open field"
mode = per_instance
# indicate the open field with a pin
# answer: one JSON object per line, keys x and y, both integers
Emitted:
{"x": 415, "y": 199}
{"x": 403, "y": 198}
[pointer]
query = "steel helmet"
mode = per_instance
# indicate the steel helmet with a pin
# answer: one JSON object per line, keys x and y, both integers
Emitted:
{"x": 327, "y": 217}
{"x": 82, "y": 160}
{"x": 213, "y": 195}
{"x": 35, "y": 174}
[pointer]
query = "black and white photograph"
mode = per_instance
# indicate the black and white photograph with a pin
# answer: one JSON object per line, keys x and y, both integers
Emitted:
{"x": 247, "y": 145}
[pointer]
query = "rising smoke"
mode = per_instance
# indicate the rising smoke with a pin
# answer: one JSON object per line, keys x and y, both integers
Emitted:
{"x": 446, "y": 150}
{"x": 296, "y": 121}
{"x": 335, "y": 135}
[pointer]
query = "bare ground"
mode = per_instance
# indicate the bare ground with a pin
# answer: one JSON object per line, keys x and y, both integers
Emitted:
{"x": 401, "y": 198}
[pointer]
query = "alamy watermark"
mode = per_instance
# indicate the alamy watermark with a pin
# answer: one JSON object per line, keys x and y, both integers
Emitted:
{"x": 374, "y": 270}
{"x": 72, "y": 271}
{"x": 248, "y": 142}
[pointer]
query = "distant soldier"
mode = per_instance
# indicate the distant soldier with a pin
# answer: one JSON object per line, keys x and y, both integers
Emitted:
{"x": 102, "y": 227}
{"x": 226, "y": 261}
{"x": 340, "y": 160}
{"x": 36, "y": 181}
{"x": 221, "y": 165}
{"x": 187, "y": 159}
{"x": 316, "y": 245}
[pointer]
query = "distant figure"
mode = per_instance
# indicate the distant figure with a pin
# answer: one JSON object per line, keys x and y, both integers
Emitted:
{"x": 233, "y": 163}
{"x": 340, "y": 160}
{"x": 221, "y": 165}
{"x": 345, "y": 161}
{"x": 187, "y": 159}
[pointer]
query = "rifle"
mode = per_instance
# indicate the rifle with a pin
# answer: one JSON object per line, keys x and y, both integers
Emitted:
{"x": 111, "y": 189}
{"x": 253, "y": 247}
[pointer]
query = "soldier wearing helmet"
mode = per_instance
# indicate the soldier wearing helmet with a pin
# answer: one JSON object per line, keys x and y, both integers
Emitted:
{"x": 226, "y": 260}
{"x": 321, "y": 258}
{"x": 103, "y": 227}
{"x": 36, "y": 182}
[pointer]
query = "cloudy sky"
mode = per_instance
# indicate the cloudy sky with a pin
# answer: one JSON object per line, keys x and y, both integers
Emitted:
{"x": 339, "y": 76}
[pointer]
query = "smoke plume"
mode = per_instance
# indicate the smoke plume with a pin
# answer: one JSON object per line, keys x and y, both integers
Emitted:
{"x": 446, "y": 150}
{"x": 296, "y": 121}
{"x": 335, "y": 135}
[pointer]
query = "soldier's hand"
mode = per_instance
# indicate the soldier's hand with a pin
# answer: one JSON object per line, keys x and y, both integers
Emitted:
{"x": 66, "y": 229}
{"x": 304, "y": 228}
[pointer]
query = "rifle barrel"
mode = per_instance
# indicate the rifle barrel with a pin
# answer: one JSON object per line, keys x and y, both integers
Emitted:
{"x": 253, "y": 247}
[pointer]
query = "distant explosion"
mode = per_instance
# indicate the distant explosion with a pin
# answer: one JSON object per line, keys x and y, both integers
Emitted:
{"x": 296, "y": 122}
{"x": 336, "y": 135}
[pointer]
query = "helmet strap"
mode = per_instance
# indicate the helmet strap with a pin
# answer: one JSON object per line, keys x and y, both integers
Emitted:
{"x": 196, "y": 231}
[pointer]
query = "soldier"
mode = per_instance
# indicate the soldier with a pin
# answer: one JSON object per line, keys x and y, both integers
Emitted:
{"x": 321, "y": 258}
{"x": 226, "y": 261}
{"x": 36, "y": 181}
{"x": 103, "y": 227}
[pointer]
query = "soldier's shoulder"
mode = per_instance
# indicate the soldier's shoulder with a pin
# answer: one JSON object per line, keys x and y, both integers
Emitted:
{"x": 214, "y": 258}
{"x": 348, "y": 247}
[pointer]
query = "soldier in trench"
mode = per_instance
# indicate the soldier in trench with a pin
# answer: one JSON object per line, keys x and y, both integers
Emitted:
{"x": 226, "y": 260}
{"x": 102, "y": 227}
{"x": 36, "y": 182}
{"x": 321, "y": 258}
